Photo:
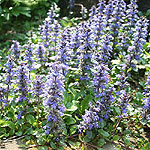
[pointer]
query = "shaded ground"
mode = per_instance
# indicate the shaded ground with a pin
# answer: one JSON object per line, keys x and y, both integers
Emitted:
{"x": 17, "y": 145}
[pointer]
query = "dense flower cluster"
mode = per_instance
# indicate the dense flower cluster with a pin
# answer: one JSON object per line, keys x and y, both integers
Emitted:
{"x": 123, "y": 96}
{"x": 41, "y": 54}
{"x": 29, "y": 56}
{"x": 38, "y": 86}
{"x": 98, "y": 111}
{"x": 101, "y": 108}
{"x": 15, "y": 48}
{"x": 53, "y": 93}
{"x": 85, "y": 53}
{"x": 9, "y": 70}
{"x": 22, "y": 82}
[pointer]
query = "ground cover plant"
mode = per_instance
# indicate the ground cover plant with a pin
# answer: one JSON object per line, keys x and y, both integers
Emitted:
{"x": 80, "y": 86}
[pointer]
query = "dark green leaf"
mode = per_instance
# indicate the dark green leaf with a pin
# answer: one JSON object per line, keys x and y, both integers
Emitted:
{"x": 139, "y": 95}
{"x": 30, "y": 119}
{"x": 86, "y": 139}
{"x": 127, "y": 141}
{"x": 19, "y": 133}
{"x": 85, "y": 102}
{"x": 147, "y": 146}
{"x": 52, "y": 144}
{"x": 116, "y": 137}
{"x": 101, "y": 142}
{"x": 69, "y": 120}
{"x": 117, "y": 110}
{"x": 127, "y": 131}
{"x": 102, "y": 124}
{"x": 73, "y": 129}
{"x": 89, "y": 134}
{"x": 103, "y": 133}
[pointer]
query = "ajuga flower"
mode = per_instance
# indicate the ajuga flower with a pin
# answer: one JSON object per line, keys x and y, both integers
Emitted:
{"x": 22, "y": 82}
{"x": 64, "y": 53}
{"x": 41, "y": 54}
{"x": 9, "y": 70}
{"x": 123, "y": 96}
{"x": 22, "y": 89}
{"x": 53, "y": 93}
{"x": 139, "y": 39}
{"x": 38, "y": 86}
{"x": 132, "y": 14}
{"x": 29, "y": 56}
{"x": 85, "y": 51}
{"x": 97, "y": 111}
{"x": 9, "y": 74}
{"x": 100, "y": 109}
{"x": 15, "y": 48}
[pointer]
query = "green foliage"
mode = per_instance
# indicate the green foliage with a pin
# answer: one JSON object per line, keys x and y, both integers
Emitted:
{"x": 18, "y": 17}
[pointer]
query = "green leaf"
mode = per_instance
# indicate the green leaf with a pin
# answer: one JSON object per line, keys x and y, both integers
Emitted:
{"x": 2, "y": 123}
{"x": 89, "y": 134}
{"x": 67, "y": 97}
{"x": 127, "y": 141}
{"x": 86, "y": 139}
{"x": 73, "y": 129}
{"x": 61, "y": 148}
{"x": 26, "y": 14}
{"x": 117, "y": 110}
{"x": 147, "y": 12}
{"x": 30, "y": 119}
{"x": 1, "y": 10}
{"x": 73, "y": 91}
{"x": 9, "y": 124}
{"x": 73, "y": 106}
{"x": 85, "y": 102}
{"x": 135, "y": 69}
{"x": 102, "y": 124}
{"x": 116, "y": 137}
{"x": 101, "y": 142}
{"x": 11, "y": 132}
{"x": 139, "y": 95}
{"x": 7, "y": 16}
{"x": 103, "y": 133}
{"x": 127, "y": 131}
{"x": 19, "y": 133}
{"x": 147, "y": 146}
{"x": 52, "y": 144}
{"x": 69, "y": 120}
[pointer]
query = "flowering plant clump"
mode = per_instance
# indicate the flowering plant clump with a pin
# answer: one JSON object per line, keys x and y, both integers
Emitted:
{"x": 80, "y": 81}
